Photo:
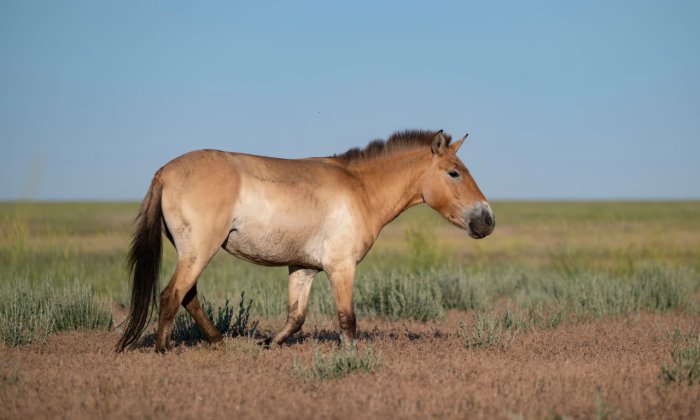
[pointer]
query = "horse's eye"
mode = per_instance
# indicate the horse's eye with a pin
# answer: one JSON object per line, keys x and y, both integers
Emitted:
{"x": 453, "y": 173}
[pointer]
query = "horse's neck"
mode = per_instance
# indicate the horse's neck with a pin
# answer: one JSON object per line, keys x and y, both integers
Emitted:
{"x": 392, "y": 184}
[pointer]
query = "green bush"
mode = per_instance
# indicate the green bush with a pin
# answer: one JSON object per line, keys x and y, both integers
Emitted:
{"x": 29, "y": 313}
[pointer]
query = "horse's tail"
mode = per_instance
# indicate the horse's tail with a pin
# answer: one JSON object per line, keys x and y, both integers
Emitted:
{"x": 144, "y": 264}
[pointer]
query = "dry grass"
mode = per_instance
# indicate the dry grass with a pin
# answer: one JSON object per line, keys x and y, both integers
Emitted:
{"x": 581, "y": 370}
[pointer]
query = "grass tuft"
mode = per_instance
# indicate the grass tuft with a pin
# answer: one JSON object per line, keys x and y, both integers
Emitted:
{"x": 488, "y": 330}
{"x": 337, "y": 363}
{"x": 685, "y": 358}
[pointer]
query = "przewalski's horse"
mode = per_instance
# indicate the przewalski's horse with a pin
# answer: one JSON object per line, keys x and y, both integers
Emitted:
{"x": 316, "y": 214}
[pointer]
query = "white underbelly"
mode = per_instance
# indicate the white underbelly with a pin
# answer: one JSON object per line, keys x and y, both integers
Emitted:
{"x": 267, "y": 245}
{"x": 275, "y": 226}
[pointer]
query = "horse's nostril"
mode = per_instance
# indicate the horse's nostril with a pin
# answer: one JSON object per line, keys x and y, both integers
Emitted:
{"x": 488, "y": 220}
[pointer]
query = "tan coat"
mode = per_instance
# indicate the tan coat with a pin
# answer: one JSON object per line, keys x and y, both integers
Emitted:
{"x": 316, "y": 214}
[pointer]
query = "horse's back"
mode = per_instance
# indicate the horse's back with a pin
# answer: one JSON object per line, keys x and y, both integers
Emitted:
{"x": 266, "y": 210}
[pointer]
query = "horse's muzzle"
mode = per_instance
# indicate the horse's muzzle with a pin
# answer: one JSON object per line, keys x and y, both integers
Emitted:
{"x": 480, "y": 220}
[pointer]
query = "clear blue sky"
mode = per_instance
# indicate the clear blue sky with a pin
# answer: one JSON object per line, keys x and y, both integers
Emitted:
{"x": 562, "y": 99}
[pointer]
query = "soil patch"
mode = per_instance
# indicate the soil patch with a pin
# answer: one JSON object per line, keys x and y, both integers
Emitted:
{"x": 579, "y": 370}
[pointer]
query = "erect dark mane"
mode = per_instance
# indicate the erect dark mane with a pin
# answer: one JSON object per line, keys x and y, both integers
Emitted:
{"x": 399, "y": 141}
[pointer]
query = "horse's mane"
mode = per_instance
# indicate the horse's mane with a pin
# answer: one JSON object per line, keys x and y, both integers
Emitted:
{"x": 399, "y": 141}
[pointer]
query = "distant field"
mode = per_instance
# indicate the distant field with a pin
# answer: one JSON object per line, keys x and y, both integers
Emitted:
{"x": 60, "y": 243}
{"x": 550, "y": 271}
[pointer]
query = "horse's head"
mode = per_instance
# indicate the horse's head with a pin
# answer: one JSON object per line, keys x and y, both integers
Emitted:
{"x": 449, "y": 188}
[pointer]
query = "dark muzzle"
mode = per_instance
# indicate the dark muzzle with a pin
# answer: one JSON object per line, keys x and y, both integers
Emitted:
{"x": 480, "y": 220}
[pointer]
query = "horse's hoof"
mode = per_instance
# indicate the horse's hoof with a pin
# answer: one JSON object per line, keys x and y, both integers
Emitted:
{"x": 266, "y": 343}
{"x": 162, "y": 349}
{"x": 216, "y": 339}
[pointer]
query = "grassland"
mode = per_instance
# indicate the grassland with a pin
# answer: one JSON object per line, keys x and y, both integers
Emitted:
{"x": 587, "y": 259}
{"x": 553, "y": 269}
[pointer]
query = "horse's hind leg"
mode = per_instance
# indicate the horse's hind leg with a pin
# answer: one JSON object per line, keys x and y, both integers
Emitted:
{"x": 191, "y": 303}
{"x": 194, "y": 308}
{"x": 181, "y": 290}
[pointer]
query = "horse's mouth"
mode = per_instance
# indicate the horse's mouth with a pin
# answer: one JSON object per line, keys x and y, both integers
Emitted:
{"x": 474, "y": 233}
{"x": 480, "y": 221}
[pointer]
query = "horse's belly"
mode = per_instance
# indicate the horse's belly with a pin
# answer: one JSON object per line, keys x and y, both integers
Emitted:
{"x": 268, "y": 246}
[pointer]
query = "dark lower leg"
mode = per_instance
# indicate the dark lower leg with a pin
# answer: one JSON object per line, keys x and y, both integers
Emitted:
{"x": 348, "y": 325}
{"x": 194, "y": 308}
{"x": 293, "y": 324}
{"x": 168, "y": 308}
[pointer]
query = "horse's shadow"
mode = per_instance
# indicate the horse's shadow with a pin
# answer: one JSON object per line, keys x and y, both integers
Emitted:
{"x": 319, "y": 335}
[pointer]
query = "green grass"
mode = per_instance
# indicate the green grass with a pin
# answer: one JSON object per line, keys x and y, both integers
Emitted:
{"x": 337, "y": 363}
{"x": 396, "y": 295}
{"x": 29, "y": 314}
{"x": 558, "y": 261}
{"x": 489, "y": 329}
{"x": 684, "y": 366}
{"x": 486, "y": 331}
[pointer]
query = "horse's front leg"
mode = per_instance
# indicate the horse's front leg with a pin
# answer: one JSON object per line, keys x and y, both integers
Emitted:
{"x": 300, "y": 280}
{"x": 342, "y": 277}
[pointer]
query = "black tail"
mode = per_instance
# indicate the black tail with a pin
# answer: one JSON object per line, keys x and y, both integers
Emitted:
{"x": 144, "y": 264}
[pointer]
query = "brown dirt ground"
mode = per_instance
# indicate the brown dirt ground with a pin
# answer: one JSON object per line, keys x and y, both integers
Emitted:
{"x": 572, "y": 370}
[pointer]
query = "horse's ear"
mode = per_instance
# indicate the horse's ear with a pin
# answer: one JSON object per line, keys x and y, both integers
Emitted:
{"x": 439, "y": 143}
{"x": 456, "y": 145}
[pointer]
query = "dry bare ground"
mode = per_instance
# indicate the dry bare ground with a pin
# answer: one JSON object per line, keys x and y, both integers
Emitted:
{"x": 594, "y": 369}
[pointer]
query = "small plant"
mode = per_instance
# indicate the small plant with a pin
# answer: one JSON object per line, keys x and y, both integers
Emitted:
{"x": 185, "y": 329}
{"x": 338, "y": 363}
{"x": 240, "y": 326}
{"x": 514, "y": 321}
{"x": 540, "y": 318}
{"x": 485, "y": 332}
{"x": 685, "y": 358}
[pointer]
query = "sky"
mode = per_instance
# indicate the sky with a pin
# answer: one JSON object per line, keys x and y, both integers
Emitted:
{"x": 562, "y": 99}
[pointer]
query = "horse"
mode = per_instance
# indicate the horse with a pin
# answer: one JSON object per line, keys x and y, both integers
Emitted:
{"x": 311, "y": 215}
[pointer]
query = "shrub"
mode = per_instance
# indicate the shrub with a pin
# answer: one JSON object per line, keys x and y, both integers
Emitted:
{"x": 29, "y": 313}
